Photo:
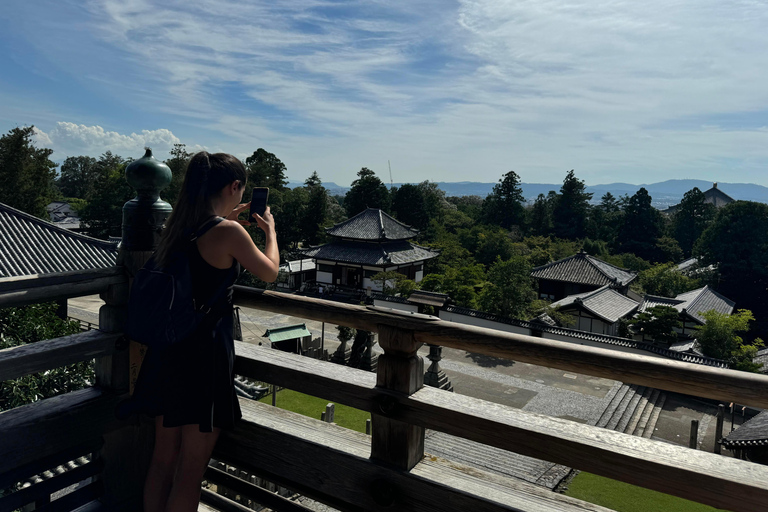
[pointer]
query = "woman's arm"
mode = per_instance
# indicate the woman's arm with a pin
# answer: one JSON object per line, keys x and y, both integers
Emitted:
{"x": 263, "y": 265}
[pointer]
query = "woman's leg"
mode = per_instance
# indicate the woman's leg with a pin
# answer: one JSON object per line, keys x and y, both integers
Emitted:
{"x": 157, "y": 486}
{"x": 196, "y": 449}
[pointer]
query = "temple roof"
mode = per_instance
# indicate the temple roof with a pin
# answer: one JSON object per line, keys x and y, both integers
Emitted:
{"x": 582, "y": 268}
{"x": 290, "y": 332}
{"x": 365, "y": 253}
{"x": 373, "y": 225}
{"x": 692, "y": 303}
{"x": 32, "y": 246}
{"x": 604, "y": 303}
{"x": 752, "y": 433}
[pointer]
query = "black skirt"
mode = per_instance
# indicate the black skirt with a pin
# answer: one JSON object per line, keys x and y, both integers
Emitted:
{"x": 192, "y": 382}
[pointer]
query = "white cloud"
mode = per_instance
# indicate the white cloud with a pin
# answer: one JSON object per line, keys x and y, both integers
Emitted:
{"x": 68, "y": 139}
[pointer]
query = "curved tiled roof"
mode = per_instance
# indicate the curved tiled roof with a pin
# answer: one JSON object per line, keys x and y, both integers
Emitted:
{"x": 604, "y": 302}
{"x": 374, "y": 225}
{"x": 752, "y": 433}
{"x": 32, "y": 246}
{"x": 692, "y": 303}
{"x": 365, "y": 253}
{"x": 582, "y": 268}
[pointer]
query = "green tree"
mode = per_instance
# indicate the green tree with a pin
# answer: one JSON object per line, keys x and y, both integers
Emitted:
{"x": 471, "y": 206}
{"x": 641, "y": 227}
{"x": 76, "y": 178}
{"x": 409, "y": 206}
{"x": 605, "y": 220}
{"x": 510, "y": 289}
{"x": 102, "y": 217}
{"x": 317, "y": 210}
{"x": 691, "y": 218}
{"x": 718, "y": 338}
{"x": 504, "y": 205}
{"x": 737, "y": 242}
{"x": 571, "y": 210}
{"x": 664, "y": 280}
{"x": 367, "y": 191}
{"x": 658, "y": 323}
{"x": 27, "y": 175}
{"x": 540, "y": 216}
{"x": 266, "y": 170}
{"x": 30, "y": 324}
{"x": 389, "y": 281}
{"x": 178, "y": 165}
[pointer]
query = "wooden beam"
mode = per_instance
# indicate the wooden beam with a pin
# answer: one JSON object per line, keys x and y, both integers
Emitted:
{"x": 330, "y": 464}
{"x": 20, "y": 291}
{"x": 253, "y": 492}
{"x": 36, "y": 357}
{"x": 687, "y": 378}
{"x": 45, "y": 488}
{"x": 696, "y": 475}
{"x": 38, "y": 466}
{"x": 47, "y": 427}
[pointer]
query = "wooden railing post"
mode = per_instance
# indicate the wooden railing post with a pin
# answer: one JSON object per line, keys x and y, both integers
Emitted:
{"x": 127, "y": 451}
{"x": 401, "y": 370}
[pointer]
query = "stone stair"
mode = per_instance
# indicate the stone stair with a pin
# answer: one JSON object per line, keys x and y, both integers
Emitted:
{"x": 633, "y": 410}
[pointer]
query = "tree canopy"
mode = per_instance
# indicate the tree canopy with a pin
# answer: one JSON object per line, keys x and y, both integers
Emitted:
{"x": 504, "y": 205}
{"x": 367, "y": 191}
{"x": 571, "y": 209}
{"x": 641, "y": 227}
{"x": 691, "y": 218}
{"x": 266, "y": 170}
{"x": 27, "y": 174}
{"x": 718, "y": 338}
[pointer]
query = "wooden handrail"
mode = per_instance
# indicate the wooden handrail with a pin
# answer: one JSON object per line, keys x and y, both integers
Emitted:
{"x": 687, "y": 378}
{"x": 691, "y": 474}
{"x": 36, "y": 357}
{"x": 20, "y": 291}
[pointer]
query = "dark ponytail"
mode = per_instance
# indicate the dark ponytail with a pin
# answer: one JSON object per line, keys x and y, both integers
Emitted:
{"x": 206, "y": 175}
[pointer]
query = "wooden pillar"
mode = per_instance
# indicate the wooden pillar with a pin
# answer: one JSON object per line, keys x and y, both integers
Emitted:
{"x": 400, "y": 370}
{"x": 127, "y": 450}
{"x": 694, "y": 439}
{"x": 719, "y": 427}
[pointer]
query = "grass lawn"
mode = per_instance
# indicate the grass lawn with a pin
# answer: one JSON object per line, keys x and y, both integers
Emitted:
{"x": 624, "y": 497}
{"x": 347, "y": 417}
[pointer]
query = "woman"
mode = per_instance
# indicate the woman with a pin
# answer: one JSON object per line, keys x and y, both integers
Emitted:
{"x": 189, "y": 387}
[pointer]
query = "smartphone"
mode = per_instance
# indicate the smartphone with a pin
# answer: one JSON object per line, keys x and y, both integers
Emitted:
{"x": 258, "y": 202}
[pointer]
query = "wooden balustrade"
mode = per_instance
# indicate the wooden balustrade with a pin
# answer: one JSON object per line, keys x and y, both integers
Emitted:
{"x": 388, "y": 470}
{"x": 687, "y": 378}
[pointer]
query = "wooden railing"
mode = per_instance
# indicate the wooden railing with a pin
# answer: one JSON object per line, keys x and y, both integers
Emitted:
{"x": 389, "y": 469}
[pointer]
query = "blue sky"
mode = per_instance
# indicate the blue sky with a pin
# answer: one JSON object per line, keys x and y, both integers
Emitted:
{"x": 620, "y": 91}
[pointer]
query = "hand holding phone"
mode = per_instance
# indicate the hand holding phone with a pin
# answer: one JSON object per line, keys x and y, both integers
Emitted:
{"x": 258, "y": 202}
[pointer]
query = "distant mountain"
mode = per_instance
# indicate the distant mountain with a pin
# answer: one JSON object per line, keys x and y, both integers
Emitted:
{"x": 664, "y": 194}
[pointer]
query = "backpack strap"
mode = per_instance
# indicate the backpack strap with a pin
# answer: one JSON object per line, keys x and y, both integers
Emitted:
{"x": 203, "y": 229}
{"x": 215, "y": 299}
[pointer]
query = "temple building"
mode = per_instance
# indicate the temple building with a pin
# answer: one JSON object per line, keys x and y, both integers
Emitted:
{"x": 713, "y": 196}
{"x": 368, "y": 243}
{"x": 578, "y": 274}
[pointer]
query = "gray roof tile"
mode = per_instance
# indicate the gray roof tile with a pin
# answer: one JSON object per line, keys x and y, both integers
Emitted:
{"x": 365, "y": 253}
{"x": 604, "y": 302}
{"x": 692, "y": 303}
{"x": 584, "y": 269}
{"x": 752, "y": 433}
{"x": 31, "y": 246}
{"x": 372, "y": 224}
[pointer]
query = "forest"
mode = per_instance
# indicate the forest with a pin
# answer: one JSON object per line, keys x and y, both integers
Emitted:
{"x": 488, "y": 245}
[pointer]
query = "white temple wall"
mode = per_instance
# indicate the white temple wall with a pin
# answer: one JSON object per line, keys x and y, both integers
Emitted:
{"x": 324, "y": 277}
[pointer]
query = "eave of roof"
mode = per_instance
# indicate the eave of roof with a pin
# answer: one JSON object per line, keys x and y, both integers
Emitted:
{"x": 32, "y": 246}
{"x": 374, "y": 254}
{"x": 372, "y": 224}
{"x": 581, "y": 268}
